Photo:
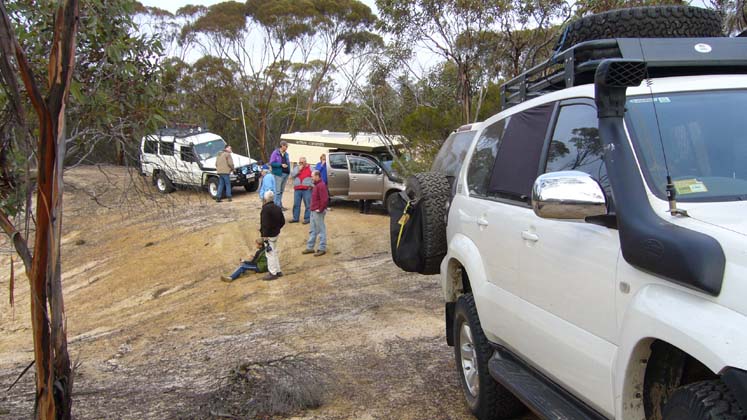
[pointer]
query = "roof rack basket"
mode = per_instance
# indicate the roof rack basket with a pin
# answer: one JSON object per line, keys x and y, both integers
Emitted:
{"x": 663, "y": 57}
{"x": 181, "y": 130}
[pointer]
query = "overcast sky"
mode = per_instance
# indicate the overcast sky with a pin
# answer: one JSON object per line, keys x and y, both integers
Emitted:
{"x": 173, "y": 5}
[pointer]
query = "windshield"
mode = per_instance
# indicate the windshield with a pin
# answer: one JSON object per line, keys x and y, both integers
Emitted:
{"x": 209, "y": 149}
{"x": 704, "y": 138}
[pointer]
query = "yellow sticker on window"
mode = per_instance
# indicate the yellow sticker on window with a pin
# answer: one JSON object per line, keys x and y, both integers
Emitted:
{"x": 689, "y": 186}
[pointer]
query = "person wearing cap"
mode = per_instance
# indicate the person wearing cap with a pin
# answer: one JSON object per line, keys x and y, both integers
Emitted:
{"x": 267, "y": 183}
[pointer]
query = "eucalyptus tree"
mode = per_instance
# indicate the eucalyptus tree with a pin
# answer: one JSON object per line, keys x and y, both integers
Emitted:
{"x": 261, "y": 37}
{"x": 448, "y": 28}
{"x": 339, "y": 26}
{"x": 54, "y": 376}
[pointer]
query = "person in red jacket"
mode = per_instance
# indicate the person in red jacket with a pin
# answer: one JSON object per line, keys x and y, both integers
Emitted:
{"x": 319, "y": 201}
{"x": 302, "y": 184}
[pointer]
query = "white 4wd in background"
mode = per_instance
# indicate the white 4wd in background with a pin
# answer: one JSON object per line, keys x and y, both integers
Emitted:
{"x": 594, "y": 259}
{"x": 186, "y": 158}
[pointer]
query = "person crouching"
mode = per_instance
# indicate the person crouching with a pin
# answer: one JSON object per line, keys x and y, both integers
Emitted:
{"x": 258, "y": 263}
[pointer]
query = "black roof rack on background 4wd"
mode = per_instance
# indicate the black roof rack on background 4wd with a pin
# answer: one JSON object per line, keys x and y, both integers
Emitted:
{"x": 663, "y": 57}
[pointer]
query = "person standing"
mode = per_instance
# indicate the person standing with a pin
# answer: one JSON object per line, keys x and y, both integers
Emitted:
{"x": 267, "y": 183}
{"x": 319, "y": 201}
{"x": 302, "y": 184}
{"x": 224, "y": 167}
{"x": 280, "y": 163}
{"x": 271, "y": 221}
{"x": 321, "y": 166}
{"x": 364, "y": 206}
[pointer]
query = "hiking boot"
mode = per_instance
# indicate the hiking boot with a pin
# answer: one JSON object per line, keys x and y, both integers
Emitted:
{"x": 226, "y": 279}
{"x": 217, "y": 200}
{"x": 293, "y": 221}
{"x": 320, "y": 253}
{"x": 305, "y": 222}
{"x": 279, "y": 274}
{"x": 270, "y": 276}
{"x": 307, "y": 251}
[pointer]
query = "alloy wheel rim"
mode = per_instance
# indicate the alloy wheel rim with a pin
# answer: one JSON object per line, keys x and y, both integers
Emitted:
{"x": 468, "y": 356}
{"x": 161, "y": 184}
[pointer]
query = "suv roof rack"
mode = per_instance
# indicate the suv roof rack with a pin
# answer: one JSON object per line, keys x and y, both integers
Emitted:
{"x": 663, "y": 57}
{"x": 181, "y": 130}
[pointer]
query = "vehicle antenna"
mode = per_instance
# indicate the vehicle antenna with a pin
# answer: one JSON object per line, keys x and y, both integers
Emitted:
{"x": 246, "y": 136}
{"x": 670, "y": 190}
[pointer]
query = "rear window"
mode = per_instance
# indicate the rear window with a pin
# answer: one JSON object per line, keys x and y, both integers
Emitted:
{"x": 451, "y": 156}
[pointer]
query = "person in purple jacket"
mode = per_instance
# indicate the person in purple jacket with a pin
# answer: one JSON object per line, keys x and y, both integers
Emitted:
{"x": 280, "y": 163}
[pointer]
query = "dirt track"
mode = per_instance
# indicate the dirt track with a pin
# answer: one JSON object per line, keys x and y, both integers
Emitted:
{"x": 156, "y": 335}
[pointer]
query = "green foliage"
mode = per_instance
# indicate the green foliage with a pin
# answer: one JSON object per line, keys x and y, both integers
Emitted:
{"x": 226, "y": 19}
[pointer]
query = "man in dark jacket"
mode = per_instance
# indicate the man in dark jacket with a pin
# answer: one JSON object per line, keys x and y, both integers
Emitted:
{"x": 271, "y": 221}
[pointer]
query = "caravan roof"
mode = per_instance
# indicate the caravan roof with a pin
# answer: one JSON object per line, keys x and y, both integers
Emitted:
{"x": 365, "y": 142}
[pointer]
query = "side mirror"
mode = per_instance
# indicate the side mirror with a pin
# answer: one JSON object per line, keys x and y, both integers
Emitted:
{"x": 568, "y": 195}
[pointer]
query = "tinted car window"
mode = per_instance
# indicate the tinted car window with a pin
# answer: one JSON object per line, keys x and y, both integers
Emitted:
{"x": 167, "y": 149}
{"x": 451, "y": 155}
{"x": 338, "y": 161}
{"x": 517, "y": 164}
{"x": 151, "y": 146}
{"x": 360, "y": 165}
{"x": 483, "y": 158}
{"x": 186, "y": 154}
{"x": 575, "y": 144}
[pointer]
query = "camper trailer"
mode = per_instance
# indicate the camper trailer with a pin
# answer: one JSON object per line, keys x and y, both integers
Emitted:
{"x": 312, "y": 144}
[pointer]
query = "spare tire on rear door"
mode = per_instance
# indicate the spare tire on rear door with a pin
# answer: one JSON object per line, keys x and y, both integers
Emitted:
{"x": 643, "y": 22}
{"x": 418, "y": 225}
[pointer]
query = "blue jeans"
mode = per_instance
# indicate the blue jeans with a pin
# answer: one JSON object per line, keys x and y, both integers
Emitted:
{"x": 299, "y": 195}
{"x": 279, "y": 188}
{"x": 318, "y": 228}
{"x": 224, "y": 182}
{"x": 245, "y": 266}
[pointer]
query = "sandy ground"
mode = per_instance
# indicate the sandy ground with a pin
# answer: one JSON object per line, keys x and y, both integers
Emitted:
{"x": 155, "y": 334}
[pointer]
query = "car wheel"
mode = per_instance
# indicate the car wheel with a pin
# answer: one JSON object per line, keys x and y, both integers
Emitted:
{"x": 643, "y": 22}
{"x": 163, "y": 183}
{"x": 706, "y": 400}
{"x": 390, "y": 201}
{"x": 212, "y": 186}
{"x": 432, "y": 193}
{"x": 486, "y": 398}
{"x": 251, "y": 187}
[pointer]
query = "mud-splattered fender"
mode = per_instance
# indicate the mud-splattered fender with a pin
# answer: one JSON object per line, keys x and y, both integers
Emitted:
{"x": 461, "y": 252}
{"x": 709, "y": 332}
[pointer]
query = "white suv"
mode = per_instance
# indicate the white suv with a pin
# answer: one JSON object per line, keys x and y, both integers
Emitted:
{"x": 595, "y": 251}
{"x": 186, "y": 158}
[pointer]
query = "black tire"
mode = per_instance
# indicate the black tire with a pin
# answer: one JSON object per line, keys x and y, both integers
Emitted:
{"x": 644, "y": 22}
{"x": 212, "y": 186}
{"x": 163, "y": 183}
{"x": 389, "y": 201}
{"x": 431, "y": 191}
{"x": 251, "y": 187}
{"x": 706, "y": 400}
{"x": 489, "y": 400}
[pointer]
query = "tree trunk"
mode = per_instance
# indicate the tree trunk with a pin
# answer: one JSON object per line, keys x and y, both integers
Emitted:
{"x": 53, "y": 373}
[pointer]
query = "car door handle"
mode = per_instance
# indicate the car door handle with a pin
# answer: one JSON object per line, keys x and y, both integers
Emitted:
{"x": 482, "y": 221}
{"x": 529, "y": 236}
